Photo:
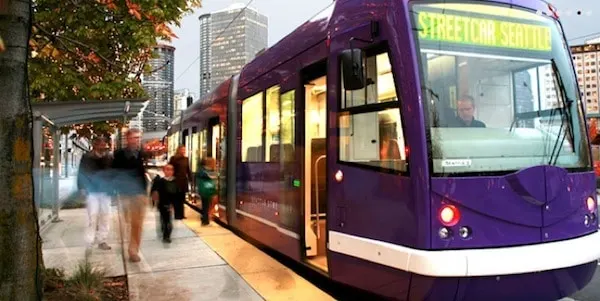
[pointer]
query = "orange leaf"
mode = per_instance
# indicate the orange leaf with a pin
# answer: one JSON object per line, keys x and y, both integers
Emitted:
{"x": 2, "y": 47}
{"x": 135, "y": 13}
{"x": 93, "y": 57}
{"x": 47, "y": 51}
{"x": 164, "y": 30}
{"x": 55, "y": 53}
{"x": 150, "y": 17}
{"x": 109, "y": 4}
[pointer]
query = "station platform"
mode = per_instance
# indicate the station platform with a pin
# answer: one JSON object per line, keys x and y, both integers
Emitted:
{"x": 201, "y": 263}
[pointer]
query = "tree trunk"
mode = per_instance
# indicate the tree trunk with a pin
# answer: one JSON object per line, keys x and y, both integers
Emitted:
{"x": 20, "y": 252}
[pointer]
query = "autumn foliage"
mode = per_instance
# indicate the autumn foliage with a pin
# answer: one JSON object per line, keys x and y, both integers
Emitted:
{"x": 97, "y": 49}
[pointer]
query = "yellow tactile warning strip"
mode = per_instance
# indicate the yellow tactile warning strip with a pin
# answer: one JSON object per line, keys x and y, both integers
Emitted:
{"x": 271, "y": 279}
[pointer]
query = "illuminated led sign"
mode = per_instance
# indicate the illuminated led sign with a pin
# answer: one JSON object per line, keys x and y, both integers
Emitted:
{"x": 483, "y": 32}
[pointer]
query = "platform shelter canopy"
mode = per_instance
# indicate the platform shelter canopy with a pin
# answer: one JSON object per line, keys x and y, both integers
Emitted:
{"x": 65, "y": 113}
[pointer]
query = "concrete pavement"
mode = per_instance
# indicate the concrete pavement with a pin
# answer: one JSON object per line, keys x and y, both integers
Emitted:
{"x": 202, "y": 263}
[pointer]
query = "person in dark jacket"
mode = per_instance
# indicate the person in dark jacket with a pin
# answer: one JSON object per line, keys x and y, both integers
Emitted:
{"x": 466, "y": 113}
{"x": 164, "y": 190}
{"x": 93, "y": 182}
{"x": 183, "y": 175}
{"x": 130, "y": 183}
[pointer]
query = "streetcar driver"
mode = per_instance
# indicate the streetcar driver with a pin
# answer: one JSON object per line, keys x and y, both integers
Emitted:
{"x": 465, "y": 113}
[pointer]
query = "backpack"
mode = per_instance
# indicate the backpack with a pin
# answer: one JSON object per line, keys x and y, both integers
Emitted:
{"x": 205, "y": 185}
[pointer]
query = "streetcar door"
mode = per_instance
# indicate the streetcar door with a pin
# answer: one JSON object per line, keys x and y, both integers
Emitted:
{"x": 216, "y": 157}
{"x": 315, "y": 164}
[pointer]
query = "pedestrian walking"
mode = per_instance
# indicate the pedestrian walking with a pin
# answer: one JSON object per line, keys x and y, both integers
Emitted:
{"x": 183, "y": 175}
{"x": 164, "y": 191}
{"x": 131, "y": 185}
{"x": 93, "y": 182}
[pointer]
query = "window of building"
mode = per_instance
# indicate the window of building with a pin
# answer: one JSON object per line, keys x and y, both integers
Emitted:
{"x": 370, "y": 124}
{"x": 252, "y": 129}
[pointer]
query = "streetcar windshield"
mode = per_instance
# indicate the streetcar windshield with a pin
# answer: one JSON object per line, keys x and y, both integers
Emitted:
{"x": 500, "y": 90}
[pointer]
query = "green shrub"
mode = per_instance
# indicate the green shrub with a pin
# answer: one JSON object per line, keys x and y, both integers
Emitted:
{"x": 86, "y": 283}
{"x": 73, "y": 201}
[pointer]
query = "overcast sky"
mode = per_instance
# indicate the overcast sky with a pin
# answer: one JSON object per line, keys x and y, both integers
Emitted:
{"x": 285, "y": 15}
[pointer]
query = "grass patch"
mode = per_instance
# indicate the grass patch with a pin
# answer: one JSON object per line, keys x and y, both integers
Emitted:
{"x": 73, "y": 201}
{"x": 88, "y": 283}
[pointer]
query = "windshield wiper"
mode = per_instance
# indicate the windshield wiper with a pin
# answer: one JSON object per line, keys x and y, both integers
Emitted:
{"x": 566, "y": 116}
{"x": 436, "y": 97}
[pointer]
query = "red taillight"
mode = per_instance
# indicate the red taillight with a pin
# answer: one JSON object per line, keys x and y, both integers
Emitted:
{"x": 553, "y": 10}
{"x": 449, "y": 215}
{"x": 591, "y": 204}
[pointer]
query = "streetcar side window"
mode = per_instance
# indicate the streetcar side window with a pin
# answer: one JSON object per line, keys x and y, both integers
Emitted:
{"x": 203, "y": 151}
{"x": 273, "y": 124}
{"x": 379, "y": 86}
{"x": 288, "y": 125}
{"x": 280, "y": 125}
{"x": 252, "y": 129}
{"x": 194, "y": 150}
{"x": 370, "y": 125}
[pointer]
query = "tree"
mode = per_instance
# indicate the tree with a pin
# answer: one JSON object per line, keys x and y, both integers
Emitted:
{"x": 86, "y": 49}
{"x": 80, "y": 49}
{"x": 20, "y": 253}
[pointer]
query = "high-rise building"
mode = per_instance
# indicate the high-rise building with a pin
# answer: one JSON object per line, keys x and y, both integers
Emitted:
{"x": 159, "y": 86}
{"x": 229, "y": 39}
{"x": 205, "y": 53}
{"x": 586, "y": 59}
{"x": 181, "y": 101}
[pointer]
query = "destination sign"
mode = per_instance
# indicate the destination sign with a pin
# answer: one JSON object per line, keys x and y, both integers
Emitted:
{"x": 483, "y": 32}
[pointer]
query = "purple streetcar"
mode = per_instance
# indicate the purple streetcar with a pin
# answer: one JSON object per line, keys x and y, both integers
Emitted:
{"x": 419, "y": 150}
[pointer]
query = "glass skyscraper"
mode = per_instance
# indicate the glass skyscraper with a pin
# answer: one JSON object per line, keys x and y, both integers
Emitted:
{"x": 159, "y": 86}
{"x": 229, "y": 39}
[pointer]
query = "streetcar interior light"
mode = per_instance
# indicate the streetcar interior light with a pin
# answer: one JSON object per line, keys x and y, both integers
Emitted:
{"x": 449, "y": 215}
{"x": 591, "y": 203}
{"x": 339, "y": 176}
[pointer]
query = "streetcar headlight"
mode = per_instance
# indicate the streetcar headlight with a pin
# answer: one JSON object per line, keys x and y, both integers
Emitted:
{"x": 591, "y": 204}
{"x": 444, "y": 233}
{"x": 464, "y": 232}
{"x": 586, "y": 220}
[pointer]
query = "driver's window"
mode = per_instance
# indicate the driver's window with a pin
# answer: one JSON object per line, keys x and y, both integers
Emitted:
{"x": 379, "y": 83}
{"x": 373, "y": 136}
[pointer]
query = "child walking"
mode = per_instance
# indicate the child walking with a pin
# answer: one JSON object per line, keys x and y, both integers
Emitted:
{"x": 164, "y": 191}
{"x": 206, "y": 187}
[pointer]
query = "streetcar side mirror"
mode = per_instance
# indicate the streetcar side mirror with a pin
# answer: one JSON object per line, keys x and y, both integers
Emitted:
{"x": 353, "y": 72}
